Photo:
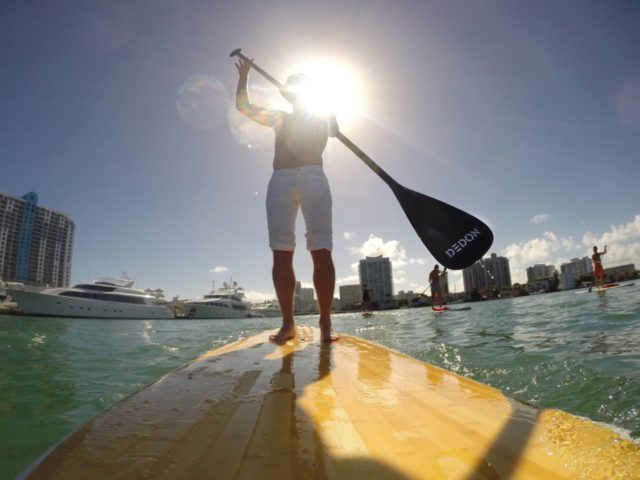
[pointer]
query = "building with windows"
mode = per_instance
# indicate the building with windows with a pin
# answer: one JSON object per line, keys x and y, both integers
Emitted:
{"x": 36, "y": 243}
{"x": 540, "y": 272}
{"x": 621, "y": 272}
{"x": 304, "y": 299}
{"x": 377, "y": 274}
{"x": 571, "y": 271}
{"x": 578, "y": 267}
{"x": 350, "y": 296}
{"x": 489, "y": 272}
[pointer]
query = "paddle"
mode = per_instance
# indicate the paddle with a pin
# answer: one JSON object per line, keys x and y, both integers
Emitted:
{"x": 455, "y": 238}
{"x": 416, "y": 299}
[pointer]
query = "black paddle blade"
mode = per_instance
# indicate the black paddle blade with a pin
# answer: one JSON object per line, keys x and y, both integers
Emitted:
{"x": 455, "y": 238}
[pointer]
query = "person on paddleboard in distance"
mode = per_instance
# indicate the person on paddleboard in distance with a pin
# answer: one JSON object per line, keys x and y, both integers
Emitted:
{"x": 436, "y": 287}
{"x": 366, "y": 298}
{"x": 298, "y": 182}
{"x": 598, "y": 271}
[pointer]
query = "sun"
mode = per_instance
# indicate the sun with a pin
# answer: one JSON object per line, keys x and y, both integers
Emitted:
{"x": 331, "y": 88}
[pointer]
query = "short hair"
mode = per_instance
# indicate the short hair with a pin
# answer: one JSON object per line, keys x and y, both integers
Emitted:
{"x": 296, "y": 79}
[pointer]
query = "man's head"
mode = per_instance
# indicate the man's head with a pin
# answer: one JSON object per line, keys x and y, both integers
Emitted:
{"x": 595, "y": 249}
{"x": 436, "y": 267}
{"x": 292, "y": 87}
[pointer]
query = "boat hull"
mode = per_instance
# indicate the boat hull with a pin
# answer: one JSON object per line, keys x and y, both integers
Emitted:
{"x": 42, "y": 304}
{"x": 197, "y": 311}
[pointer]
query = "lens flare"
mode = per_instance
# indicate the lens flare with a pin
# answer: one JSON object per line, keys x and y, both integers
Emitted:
{"x": 202, "y": 102}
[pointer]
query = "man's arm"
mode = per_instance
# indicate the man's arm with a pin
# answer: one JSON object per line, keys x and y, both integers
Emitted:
{"x": 255, "y": 112}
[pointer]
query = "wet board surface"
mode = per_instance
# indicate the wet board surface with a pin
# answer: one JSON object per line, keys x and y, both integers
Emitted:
{"x": 347, "y": 410}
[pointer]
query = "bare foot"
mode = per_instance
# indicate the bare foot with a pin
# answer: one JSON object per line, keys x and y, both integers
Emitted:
{"x": 284, "y": 334}
{"x": 326, "y": 336}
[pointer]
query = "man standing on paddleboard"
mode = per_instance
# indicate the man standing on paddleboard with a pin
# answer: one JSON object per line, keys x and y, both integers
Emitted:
{"x": 598, "y": 271}
{"x": 297, "y": 182}
{"x": 436, "y": 287}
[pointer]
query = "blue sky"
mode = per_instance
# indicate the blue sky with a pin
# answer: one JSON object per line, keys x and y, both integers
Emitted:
{"x": 524, "y": 113}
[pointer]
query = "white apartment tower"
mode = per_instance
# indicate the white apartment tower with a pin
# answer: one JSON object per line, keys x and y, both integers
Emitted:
{"x": 488, "y": 272}
{"x": 540, "y": 271}
{"x": 377, "y": 274}
{"x": 350, "y": 295}
{"x": 571, "y": 271}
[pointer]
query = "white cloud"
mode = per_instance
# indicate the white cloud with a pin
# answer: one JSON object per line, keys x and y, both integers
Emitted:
{"x": 623, "y": 243}
{"x": 535, "y": 251}
{"x": 539, "y": 218}
{"x": 376, "y": 246}
{"x": 617, "y": 234}
{"x": 219, "y": 269}
{"x": 259, "y": 297}
{"x": 348, "y": 280}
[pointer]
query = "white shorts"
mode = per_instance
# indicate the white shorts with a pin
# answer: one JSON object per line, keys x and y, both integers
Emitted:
{"x": 306, "y": 188}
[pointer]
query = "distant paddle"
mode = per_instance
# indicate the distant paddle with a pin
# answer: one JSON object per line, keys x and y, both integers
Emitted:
{"x": 455, "y": 238}
{"x": 422, "y": 294}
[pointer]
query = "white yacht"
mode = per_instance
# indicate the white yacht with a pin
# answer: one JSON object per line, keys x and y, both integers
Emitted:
{"x": 226, "y": 302}
{"x": 104, "y": 298}
{"x": 267, "y": 309}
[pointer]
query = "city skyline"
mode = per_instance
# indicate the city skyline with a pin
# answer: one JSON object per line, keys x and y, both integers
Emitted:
{"x": 486, "y": 264}
{"x": 121, "y": 114}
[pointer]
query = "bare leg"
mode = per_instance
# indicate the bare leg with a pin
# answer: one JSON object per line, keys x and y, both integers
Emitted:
{"x": 284, "y": 281}
{"x": 324, "y": 280}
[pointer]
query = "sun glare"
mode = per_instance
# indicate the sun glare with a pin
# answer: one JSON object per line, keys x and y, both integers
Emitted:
{"x": 331, "y": 88}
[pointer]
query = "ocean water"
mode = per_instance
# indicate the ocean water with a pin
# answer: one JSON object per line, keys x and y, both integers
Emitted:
{"x": 576, "y": 352}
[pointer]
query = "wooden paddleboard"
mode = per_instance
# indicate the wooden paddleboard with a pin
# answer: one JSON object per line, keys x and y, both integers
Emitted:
{"x": 347, "y": 410}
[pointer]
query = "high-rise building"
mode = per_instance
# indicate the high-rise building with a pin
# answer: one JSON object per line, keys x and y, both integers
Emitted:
{"x": 350, "y": 295}
{"x": 619, "y": 271}
{"x": 578, "y": 267}
{"x": 571, "y": 271}
{"x": 36, "y": 243}
{"x": 540, "y": 271}
{"x": 488, "y": 272}
{"x": 377, "y": 274}
{"x": 304, "y": 301}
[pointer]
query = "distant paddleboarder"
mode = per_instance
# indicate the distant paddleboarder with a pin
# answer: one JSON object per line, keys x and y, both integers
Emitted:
{"x": 598, "y": 271}
{"x": 297, "y": 182}
{"x": 436, "y": 287}
{"x": 366, "y": 298}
